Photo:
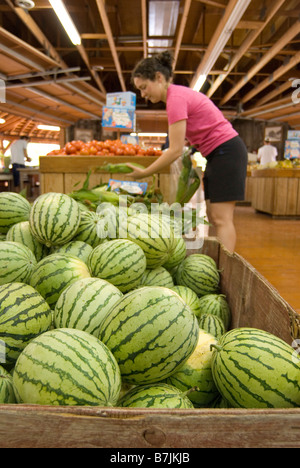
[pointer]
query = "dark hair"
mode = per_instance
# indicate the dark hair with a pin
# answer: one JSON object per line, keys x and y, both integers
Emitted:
{"x": 148, "y": 67}
{"x": 24, "y": 137}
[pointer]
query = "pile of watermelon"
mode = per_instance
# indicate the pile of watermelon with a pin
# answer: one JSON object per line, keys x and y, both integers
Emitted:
{"x": 123, "y": 317}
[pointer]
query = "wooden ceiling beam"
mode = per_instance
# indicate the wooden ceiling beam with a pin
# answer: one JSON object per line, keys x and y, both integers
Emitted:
{"x": 36, "y": 114}
{"x": 282, "y": 42}
{"x": 110, "y": 38}
{"x": 272, "y": 94}
{"x": 245, "y": 46}
{"x": 144, "y": 27}
{"x": 292, "y": 62}
{"x": 62, "y": 102}
{"x": 43, "y": 40}
{"x": 215, "y": 37}
{"x": 182, "y": 26}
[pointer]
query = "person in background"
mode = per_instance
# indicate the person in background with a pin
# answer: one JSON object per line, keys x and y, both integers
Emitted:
{"x": 19, "y": 154}
{"x": 193, "y": 116}
{"x": 267, "y": 153}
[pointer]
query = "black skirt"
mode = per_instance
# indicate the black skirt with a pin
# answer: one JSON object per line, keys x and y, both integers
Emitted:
{"x": 225, "y": 173}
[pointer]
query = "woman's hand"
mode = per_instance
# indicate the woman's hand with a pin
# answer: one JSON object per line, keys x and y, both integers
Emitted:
{"x": 137, "y": 172}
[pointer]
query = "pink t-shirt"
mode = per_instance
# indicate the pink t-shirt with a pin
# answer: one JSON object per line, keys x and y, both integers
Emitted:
{"x": 206, "y": 127}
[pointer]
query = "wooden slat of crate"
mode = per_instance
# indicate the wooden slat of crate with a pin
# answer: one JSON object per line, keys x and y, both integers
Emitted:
{"x": 254, "y": 302}
{"x": 89, "y": 427}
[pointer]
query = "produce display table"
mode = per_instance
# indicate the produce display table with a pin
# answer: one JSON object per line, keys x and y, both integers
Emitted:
{"x": 61, "y": 173}
{"x": 31, "y": 176}
{"x": 253, "y": 302}
{"x": 276, "y": 191}
{"x": 6, "y": 178}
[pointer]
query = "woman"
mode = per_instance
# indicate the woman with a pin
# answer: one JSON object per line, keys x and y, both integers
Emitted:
{"x": 193, "y": 115}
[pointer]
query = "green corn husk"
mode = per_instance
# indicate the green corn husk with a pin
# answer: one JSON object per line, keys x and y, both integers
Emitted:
{"x": 188, "y": 181}
{"x": 121, "y": 168}
{"x": 192, "y": 188}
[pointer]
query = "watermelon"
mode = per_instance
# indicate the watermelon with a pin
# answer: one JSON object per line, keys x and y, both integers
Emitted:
{"x": 67, "y": 367}
{"x": 212, "y": 324}
{"x": 84, "y": 304}
{"x": 21, "y": 232}
{"x": 177, "y": 254}
{"x": 196, "y": 372}
{"x": 189, "y": 296}
{"x": 13, "y": 209}
{"x": 151, "y": 332}
{"x": 24, "y": 314}
{"x": 154, "y": 235}
{"x": 158, "y": 395}
{"x": 255, "y": 369}
{"x": 54, "y": 273}
{"x": 120, "y": 262}
{"x": 216, "y": 304}
{"x": 17, "y": 262}
{"x": 157, "y": 277}
{"x": 54, "y": 218}
{"x": 7, "y": 394}
{"x": 88, "y": 229}
{"x": 76, "y": 248}
{"x": 198, "y": 273}
{"x": 111, "y": 217}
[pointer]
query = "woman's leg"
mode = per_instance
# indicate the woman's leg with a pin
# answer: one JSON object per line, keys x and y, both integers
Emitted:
{"x": 220, "y": 215}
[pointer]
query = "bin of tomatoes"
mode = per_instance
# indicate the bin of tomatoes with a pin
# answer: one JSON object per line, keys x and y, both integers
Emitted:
{"x": 104, "y": 148}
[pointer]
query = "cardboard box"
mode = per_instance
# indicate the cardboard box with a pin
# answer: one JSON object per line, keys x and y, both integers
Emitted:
{"x": 118, "y": 118}
{"x": 122, "y": 99}
{"x": 255, "y": 303}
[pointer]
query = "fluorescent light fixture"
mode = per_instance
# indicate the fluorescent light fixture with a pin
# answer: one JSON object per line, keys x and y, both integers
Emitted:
{"x": 66, "y": 20}
{"x": 228, "y": 29}
{"x": 2, "y": 121}
{"x": 200, "y": 82}
{"x": 149, "y": 134}
{"x": 51, "y": 128}
{"x": 162, "y": 21}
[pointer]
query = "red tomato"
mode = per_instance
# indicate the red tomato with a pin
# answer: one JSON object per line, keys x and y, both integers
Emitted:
{"x": 70, "y": 149}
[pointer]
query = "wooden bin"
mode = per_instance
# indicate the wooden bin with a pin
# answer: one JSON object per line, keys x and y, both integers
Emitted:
{"x": 277, "y": 192}
{"x": 255, "y": 303}
{"x": 62, "y": 173}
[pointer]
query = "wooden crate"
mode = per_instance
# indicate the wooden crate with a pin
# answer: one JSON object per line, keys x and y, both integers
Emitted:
{"x": 67, "y": 173}
{"x": 255, "y": 303}
{"x": 276, "y": 191}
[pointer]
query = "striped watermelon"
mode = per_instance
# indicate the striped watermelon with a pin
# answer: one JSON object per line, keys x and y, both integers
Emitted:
{"x": 189, "y": 296}
{"x": 21, "y": 232}
{"x": 212, "y": 324}
{"x": 120, "y": 262}
{"x": 7, "y": 394}
{"x": 154, "y": 235}
{"x": 13, "y": 209}
{"x": 84, "y": 304}
{"x": 197, "y": 372}
{"x": 216, "y": 304}
{"x": 151, "y": 333}
{"x": 54, "y": 218}
{"x": 157, "y": 277}
{"x": 220, "y": 402}
{"x": 24, "y": 314}
{"x": 17, "y": 262}
{"x": 67, "y": 367}
{"x": 158, "y": 395}
{"x": 255, "y": 369}
{"x": 79, "y": 249}
{"x": 54, "y": 273}
{"x": 198, "y": 273}
{"x": 88, "y": 229}
{"x": 177, "y": 254}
